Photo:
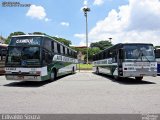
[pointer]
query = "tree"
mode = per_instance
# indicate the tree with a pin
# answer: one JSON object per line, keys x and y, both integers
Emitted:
{"x": 62, "y": 40}
{"x": 2, "y": 38}
{"x": 39, "y": 33}
{"x": 12, "y": 34}
{"x": 157, "y": 47}
{"x": 91, "y": 53}
{"x": 101, "y": 44}
{"x": 82, "y": 50}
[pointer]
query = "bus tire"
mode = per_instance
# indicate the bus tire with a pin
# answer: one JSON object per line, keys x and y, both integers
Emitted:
{"x": 53, "y": 75}
{"x": 97, "y": 70}
{"x": 138, "y": 78}
{"x": 73, "y": 70}
{"x": 117, "y": 77}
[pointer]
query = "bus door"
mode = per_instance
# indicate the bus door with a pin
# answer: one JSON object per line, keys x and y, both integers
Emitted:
{"x": 120, "y": 61}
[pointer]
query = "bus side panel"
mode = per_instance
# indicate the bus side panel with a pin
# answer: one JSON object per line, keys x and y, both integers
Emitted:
{"x": 105, "y": 67}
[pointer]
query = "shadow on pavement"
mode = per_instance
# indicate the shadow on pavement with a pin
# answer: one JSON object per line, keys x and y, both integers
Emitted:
{"x": 126, "y": 81}
{"x": 32, "y": 83}
{"x": 28, "y": 83}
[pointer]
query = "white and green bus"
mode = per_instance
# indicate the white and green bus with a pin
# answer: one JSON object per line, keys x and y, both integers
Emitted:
{"x": 38, "y": 58}
{"x": 126, "y": 60}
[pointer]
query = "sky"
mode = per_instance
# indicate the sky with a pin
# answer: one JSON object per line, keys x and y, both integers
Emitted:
{"x": 122, "y": 20}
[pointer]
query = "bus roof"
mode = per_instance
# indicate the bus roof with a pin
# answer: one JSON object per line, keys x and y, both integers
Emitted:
{"x": 136, "y": 43}
{"x": 28, "y": 35}
{"x": 43, "y": 36}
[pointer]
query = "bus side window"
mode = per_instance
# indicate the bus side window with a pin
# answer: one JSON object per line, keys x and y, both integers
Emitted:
{"x": 48, "y": 44}
{"x": 47, "y": 57}
{"x": 52, "y": 46}
{"x": 61, "y": 47}
{"x": 114, "y": 58}
{"x": 65, "y": 50}
{"x": 58, "y": 48}
{"x": 44, "y": 57}
{"x": 55, "y": 47}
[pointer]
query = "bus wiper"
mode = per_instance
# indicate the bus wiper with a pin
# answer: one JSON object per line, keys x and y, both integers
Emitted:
{"x": 139, "y": 55}
{"x": 145, "y": 57}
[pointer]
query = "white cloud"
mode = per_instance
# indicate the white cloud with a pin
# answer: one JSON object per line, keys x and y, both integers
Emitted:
{"x": 37, "y": 12}
{"x": 98, "y": 2}
{"x": 81, "y": 36}
{"x": 85, "y": 3}
{"x": 139, "y": 21}
{"x": 65, "y": 24}
{"x": 47, "y": 20}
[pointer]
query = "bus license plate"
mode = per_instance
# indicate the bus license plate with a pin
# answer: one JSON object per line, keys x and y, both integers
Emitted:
{"x": 20, "y": 77}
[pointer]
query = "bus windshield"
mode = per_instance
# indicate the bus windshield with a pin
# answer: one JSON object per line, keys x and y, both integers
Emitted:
{"x": 139, "y": 53}
{"x": 23, "y": 56}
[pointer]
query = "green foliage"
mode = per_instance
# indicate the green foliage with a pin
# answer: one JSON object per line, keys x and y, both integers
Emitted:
{"x": 82, "y": 50}
{"x": 62, "y": 40}
{"x": 91, "y": 52}
{"x": 101, "y": 44}
{"x": 12, "y": 34}
{"x": 39, "y": 33}
{"x": 157, "y": 47}
{"x": 2, "y": 38}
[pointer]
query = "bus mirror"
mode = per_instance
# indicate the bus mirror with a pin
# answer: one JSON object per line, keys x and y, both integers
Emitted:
{"x": 155, "y": 51}
{"x": 121, "y": 55}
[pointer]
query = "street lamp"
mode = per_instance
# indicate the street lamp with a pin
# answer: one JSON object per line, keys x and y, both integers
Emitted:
{"x": 85, "y": 10}
{"x": 110, "y": 39}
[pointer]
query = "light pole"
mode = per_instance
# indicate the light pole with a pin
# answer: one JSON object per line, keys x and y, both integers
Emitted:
{"x": 85, "y": 10}
{"x": 110, "y": 39}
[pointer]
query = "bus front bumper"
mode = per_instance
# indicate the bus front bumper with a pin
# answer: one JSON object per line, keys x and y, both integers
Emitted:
{"x": 139, "y": 74}
{"x": 23, "y": 78}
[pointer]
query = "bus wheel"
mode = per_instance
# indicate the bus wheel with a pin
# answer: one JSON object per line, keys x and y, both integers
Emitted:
{"x": 138, "y": 78}
{"x": 116, "y": 77}
{"x": 73, "y": 70}
{"x": 53, "y": 75}
{"x": 97, "y": 70}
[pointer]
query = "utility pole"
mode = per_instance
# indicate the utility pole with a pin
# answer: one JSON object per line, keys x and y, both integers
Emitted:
{"x": 85, "y": 10}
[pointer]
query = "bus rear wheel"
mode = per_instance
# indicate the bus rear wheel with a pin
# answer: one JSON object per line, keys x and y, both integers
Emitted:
{"x": 97, "y": 70}
{"x": 73, "y": 70}
{"x": 116, "y": 77}
{"x": 138, "y": 78}
{"x": 53, "y": 75}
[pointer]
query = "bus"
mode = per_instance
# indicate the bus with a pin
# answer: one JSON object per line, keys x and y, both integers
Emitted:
{"x": 126, "y": 60}
{"x": 38, "y": 58}
{"x": 157, "y": 54}
{"x": 3, "y": 50}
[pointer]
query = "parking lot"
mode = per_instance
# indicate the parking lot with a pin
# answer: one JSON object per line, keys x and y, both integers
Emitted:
{"x": 83, "y": 92}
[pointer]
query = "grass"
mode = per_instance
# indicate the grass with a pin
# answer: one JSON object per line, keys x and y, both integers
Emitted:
{"x": 84, "y": 66}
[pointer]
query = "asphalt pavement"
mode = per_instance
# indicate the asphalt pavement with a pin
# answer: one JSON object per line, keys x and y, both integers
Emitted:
{"x": 81, "y": 93}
